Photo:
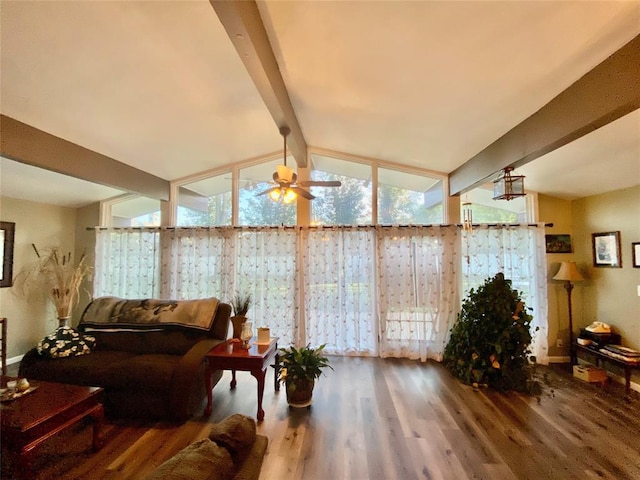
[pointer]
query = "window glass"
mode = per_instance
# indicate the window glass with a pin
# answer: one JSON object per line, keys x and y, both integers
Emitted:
{"x": 255, "y": 209}
{"x": 406, "y": 198}
{"x": 205, "y": 202}
{"x": 485, "y": 209}
{"x": 135, "y": 212}
{"x": 349, "y": 204}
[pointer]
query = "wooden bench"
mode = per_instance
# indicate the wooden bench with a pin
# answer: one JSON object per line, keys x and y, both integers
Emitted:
{"x": 628, "y": 366}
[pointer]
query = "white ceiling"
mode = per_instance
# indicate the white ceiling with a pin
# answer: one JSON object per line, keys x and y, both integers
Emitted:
{"x": 159, "y": 85}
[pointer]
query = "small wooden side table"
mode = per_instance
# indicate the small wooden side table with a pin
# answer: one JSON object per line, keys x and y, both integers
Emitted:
{"x": 231, "y": 356}
{"x": 599, "y": 356}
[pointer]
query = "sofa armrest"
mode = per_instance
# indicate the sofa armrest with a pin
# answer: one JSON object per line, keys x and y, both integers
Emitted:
{"x": 187, "y": 374}
{"x": 250, "y": 468}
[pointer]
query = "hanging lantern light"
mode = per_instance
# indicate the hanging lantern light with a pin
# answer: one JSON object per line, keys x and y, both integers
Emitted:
{"x": 507, "y": 186}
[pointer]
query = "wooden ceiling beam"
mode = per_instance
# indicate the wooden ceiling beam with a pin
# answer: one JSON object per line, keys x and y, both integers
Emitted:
{"x": 606, "y": 93}
{"x": 244, "y": 26}
{"x": 26, "y": 144}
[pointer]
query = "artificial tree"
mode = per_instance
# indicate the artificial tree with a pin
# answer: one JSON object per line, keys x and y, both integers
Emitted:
{"x": 489, "y": 343}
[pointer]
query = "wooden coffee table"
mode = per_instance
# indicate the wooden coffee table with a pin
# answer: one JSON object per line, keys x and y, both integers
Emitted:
{"x": 231, "y": 356}
{"x": 37, "y": 416}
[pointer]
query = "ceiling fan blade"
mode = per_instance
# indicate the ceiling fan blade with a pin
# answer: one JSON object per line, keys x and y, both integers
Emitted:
{"x": 268, "y": 190}
{"x": 303, "y": 193}
{"x": 312, "y": 183}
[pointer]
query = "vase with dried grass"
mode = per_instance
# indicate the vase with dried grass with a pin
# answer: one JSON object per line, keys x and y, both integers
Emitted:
{"x": 240, "y": 304}
{"x": 59, "y": 277}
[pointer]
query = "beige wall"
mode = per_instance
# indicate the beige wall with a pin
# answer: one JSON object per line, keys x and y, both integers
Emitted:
{"x": 43, "y": 225}
{"x": 610, "y": 294}
{"x": 557, "y": 211}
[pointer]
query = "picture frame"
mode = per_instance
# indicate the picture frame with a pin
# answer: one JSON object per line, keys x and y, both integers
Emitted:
{"x": 635, "y": 250}
{"x": 606, "y": 249}
{"x": 560, "y": 243}
{"x": 7, "y": 234}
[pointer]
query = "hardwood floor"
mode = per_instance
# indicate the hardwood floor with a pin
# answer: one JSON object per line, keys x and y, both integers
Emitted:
{"x": 390, "y": 419}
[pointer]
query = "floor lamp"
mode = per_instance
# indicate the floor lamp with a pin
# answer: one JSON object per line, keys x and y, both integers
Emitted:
{"x": 569, "y": 273}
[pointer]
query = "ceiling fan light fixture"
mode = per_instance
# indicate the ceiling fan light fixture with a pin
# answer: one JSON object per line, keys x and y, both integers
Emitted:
{"x": 275, "y": 194}
{"x": 289, "y": 196}
{"x": 507, "y": 186}
{"x": 285, "y": 174}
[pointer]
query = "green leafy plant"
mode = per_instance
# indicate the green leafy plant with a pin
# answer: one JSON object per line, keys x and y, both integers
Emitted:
{"x": 303, "y": 364}
{"x": 241, "y": 304}
{"x": 489, "y": 343}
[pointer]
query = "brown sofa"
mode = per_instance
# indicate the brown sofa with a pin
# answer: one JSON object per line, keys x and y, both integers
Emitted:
{"x": 232, "y": 451}
{"x": 148, "y": 355}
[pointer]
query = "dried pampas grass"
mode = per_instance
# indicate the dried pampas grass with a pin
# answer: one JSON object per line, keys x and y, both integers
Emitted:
{"x": 55, "y": 274}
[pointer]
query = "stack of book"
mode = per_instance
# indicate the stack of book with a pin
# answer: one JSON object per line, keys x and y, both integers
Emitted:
{"x": 625, "y": 354}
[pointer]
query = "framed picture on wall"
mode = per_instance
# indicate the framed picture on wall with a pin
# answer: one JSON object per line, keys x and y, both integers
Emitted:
{"x": 635, "y": 249}
{"x": 558, "y": 243}
{"x": 606, "y": 249}
{"x": 7, "y": 232}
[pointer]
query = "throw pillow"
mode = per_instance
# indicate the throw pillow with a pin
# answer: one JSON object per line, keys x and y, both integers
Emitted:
{"x": 66, "y": 342}
{"x": 237, "y": 434}
{"x": 202, "y": 460}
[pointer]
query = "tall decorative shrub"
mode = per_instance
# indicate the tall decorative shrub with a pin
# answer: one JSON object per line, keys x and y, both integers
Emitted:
{"x": 489, "y": 343}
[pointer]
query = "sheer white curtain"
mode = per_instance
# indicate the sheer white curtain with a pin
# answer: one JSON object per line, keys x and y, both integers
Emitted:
{"x": 417, "y": 269}
{"x": 221, "y": 262}
{"x": 339, "y": 289}
{"x": 195, "y": 263}
{"x": 519, "y": 253}
{"x": 389, "y": 291}
{"x": 264, "y": 262}
{"x": 127, "y": 263}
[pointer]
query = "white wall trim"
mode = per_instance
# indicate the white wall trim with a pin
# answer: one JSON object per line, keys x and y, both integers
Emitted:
{"x": 12, "y": 360}
{"x": 566, "y": 359}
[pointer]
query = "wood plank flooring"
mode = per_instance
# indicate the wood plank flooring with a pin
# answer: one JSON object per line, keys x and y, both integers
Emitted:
{"x": 390, "y": 419}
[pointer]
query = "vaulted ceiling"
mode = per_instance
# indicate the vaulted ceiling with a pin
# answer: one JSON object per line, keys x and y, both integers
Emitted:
{"x": 160, "y": 86}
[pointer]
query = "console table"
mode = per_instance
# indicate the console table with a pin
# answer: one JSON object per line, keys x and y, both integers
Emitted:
{"x": 628, "y": 366}
{"x": 231, "y": 356}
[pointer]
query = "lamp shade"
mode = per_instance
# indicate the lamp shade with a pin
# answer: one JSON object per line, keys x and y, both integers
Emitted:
{"x": 569, "y": 272}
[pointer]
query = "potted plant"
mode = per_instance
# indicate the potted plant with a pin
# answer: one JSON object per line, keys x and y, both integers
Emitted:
{"x": 299, "y": 369}
{"x": 489, "y": 343}
{"x": 240, "y": 305}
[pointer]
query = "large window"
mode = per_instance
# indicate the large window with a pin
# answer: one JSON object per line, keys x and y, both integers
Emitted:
{"x": 405, "y": 198}
{"x": 205, "y": 202}
{"x": 349, "y": 204}
{"x": 134, "y": 211}
{"x": 487, "y": 210}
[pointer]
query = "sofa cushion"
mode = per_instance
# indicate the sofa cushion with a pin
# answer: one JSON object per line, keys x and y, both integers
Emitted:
{"x": 140, "y": 372}
{"x": 202, "y": 460}
{"x": 82, "y": 370}
{"x": 237, "y": 434}
{"x": 168, "y": 341}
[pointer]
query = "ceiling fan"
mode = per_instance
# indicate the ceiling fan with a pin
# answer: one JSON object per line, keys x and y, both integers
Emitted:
{"x": 286, "y": 186}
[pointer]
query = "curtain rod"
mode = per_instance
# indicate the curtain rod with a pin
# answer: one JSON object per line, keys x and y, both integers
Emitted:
{"x": 319, "y": 227}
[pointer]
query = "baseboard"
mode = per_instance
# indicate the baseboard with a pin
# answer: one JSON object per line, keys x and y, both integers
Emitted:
{"x": 566, "y": 359}
{"x": 12, "y": 360}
